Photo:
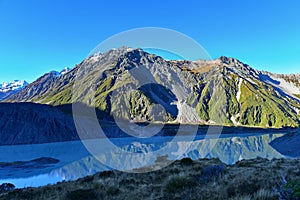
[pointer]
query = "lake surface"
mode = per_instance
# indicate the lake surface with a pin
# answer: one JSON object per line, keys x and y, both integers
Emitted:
{"x": 75, "y": 161}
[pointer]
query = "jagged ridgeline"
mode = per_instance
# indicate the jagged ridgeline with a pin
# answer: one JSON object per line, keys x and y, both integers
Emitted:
{"x": 134, "y": 85}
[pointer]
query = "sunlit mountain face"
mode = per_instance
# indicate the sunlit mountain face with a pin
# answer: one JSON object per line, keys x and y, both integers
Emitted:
{"x": 38, "y": 127}
{"x": 224, "y": 91}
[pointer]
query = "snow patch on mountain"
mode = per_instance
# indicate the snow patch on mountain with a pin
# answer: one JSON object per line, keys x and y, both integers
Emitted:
{"x": 9, "y": 88}
{"x": 287, "y": 87}
{"x": 65, "y": 71}
{"x": 238, "y": 94}
{"x": 12, "y": 86}
{"x": 280, "y": 83}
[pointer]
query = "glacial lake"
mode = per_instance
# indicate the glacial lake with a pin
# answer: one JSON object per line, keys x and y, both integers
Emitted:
{"x": 74, "y": 161}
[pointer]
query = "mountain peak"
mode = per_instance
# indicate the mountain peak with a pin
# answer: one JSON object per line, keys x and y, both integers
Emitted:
{"x": 9, "y": 88}
{"x": 65, "y": 70}
{"x": 57, "y": 73}
{"x": 223, "y": 59}
{"x": 122, "y": 50}
{"x": 248, "y": 98}
{"x": 12, "y": 86}
{"x": 228, "y": 60}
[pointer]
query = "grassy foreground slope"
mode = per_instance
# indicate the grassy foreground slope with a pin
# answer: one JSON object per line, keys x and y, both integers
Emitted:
{"x": 186, "y": 179}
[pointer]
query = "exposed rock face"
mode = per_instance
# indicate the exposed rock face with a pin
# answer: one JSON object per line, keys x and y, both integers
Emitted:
{"x": 27, "y": 123}
{"x": 286, "y": 83}
{"x": 134, "y": 85}
{"x": 39, "y": 87}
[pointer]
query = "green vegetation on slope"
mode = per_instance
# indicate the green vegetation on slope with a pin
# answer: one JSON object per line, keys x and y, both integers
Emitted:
{"x": 213, "y": 87}
{"x": 264, "y": 108}
{"x": 259, "y": 105}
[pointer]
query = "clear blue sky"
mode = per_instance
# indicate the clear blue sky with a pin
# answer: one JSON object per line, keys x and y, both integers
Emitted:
{"x": 42, "y": 35}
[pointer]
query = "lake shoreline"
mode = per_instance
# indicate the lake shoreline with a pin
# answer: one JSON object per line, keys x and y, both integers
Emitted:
{"x": 171, "y": 130}
{"x": 75, "y": 159}
{"x": 203, "y": 178}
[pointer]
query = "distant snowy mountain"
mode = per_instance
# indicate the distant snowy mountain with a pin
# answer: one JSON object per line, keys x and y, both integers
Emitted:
{"x": 12, "y": 86}
{"x": 61, "y": 73}
{"x": 65, "y": 70}
{"x": 44, "y": 83}
{"x": 9, "y": 88}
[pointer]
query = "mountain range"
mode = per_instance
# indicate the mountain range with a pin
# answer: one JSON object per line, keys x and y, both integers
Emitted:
{"x": 134, "y": 85}
{"x": 9, "y": 88}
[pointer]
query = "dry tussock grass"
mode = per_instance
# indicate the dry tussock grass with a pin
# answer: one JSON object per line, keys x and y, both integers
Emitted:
{"x": 186, "y": 179}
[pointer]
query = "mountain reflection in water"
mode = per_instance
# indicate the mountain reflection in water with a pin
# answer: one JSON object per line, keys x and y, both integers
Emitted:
{"x": 75, "y": 161}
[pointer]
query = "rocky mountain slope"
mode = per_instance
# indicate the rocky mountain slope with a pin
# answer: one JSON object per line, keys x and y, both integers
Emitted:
{"x": 9, "y": 88}
{"x": 42, "y": 85}
{"x": 134, "y": 85}
{"x": 28, "y": 123}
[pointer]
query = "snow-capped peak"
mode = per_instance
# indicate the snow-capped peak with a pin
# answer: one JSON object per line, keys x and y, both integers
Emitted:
{"x": 12, "y": 86}
{"x": 61, "y": 73}
{"x": 65, "y": 70}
